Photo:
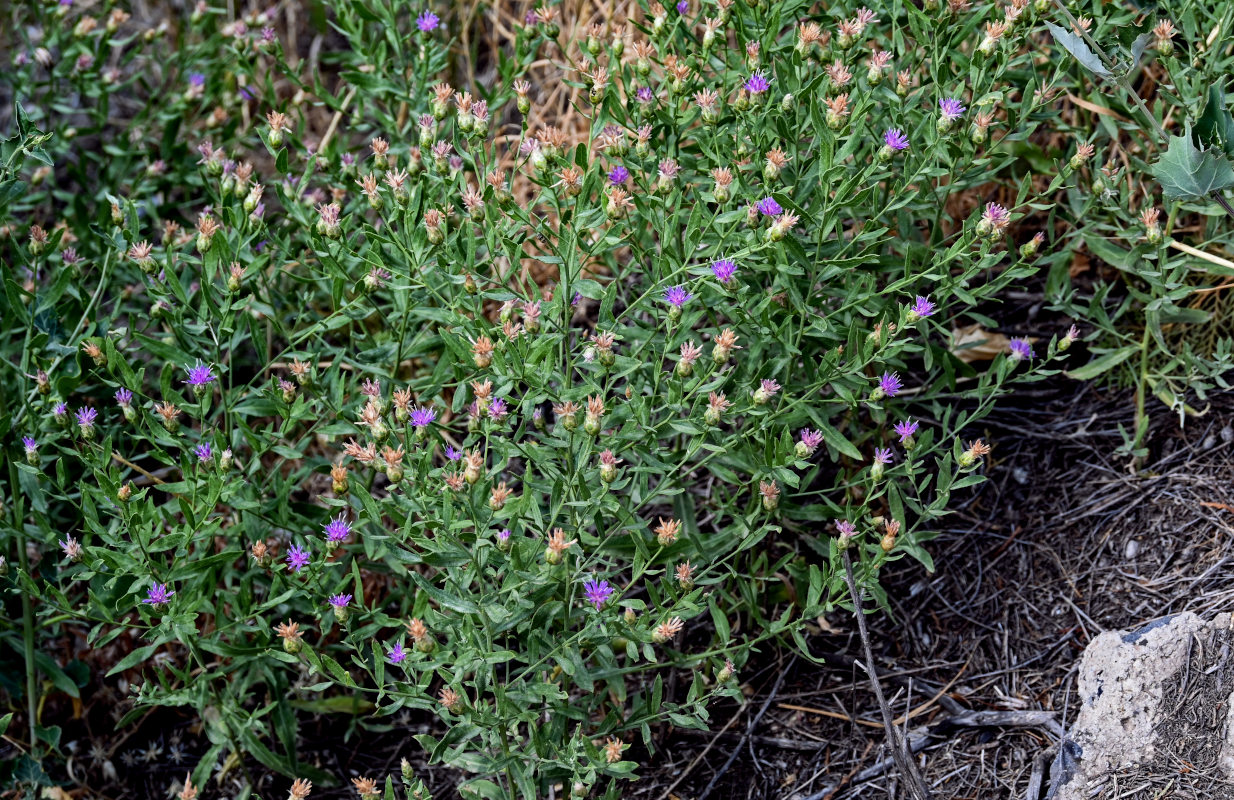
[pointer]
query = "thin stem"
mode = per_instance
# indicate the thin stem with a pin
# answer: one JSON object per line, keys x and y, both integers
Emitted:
{"x": 899, "y": 751}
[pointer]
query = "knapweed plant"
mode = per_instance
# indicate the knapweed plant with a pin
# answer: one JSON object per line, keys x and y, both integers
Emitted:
{"x": 351, "y": 380}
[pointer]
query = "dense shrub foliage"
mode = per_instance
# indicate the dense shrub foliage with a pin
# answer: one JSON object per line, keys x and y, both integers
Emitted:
{"x": 337, "y": 383}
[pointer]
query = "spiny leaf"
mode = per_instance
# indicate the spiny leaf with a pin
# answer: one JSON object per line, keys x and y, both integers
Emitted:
{"x": 1079, "y": 49}
{"x": 1186, "y": 172}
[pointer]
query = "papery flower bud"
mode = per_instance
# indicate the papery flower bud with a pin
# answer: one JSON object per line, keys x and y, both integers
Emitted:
{"x": 290, "y": 633}
{"x": 1029, "y": 249}
{"x": 888, "y": 542}
{"x": 124, "y": 492}
{"x": 1152, "y": 229}
{"x": 716, "y": 405}
{"x": 725, "y": 674}
{"x": 766, "y": 390}
{"x": 770, "y": 493}
{"x": 595, "y": 410}
{"x": 1065, "y": 343}
{"x": 975, "y": 452}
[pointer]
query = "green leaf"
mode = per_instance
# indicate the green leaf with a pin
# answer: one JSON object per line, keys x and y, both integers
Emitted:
{"x": 1188, "y": 173}
{"x": 1079, "y": 50}
{"x": 1103, "y": 364}
{"x": 1214, "y": 128}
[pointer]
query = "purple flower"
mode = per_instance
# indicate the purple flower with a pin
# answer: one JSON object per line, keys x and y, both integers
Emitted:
{"x": 895, "y": 139}
{"x": 297, "y": 558}
{"x": 1021, "y": 349}
{"x": 882, "y": 455}
{"x": 597, "y": 592}
{"x": 340, "y": 601}
{"x": 768, "y": 207}
{"x": 123, "y": 397}
{"x": 683, "y": 6}
{"x": 203, "y": 451}
{"x": 951, "y": 108}
{"x": 157, "y": 595}
{"x": 497, "y": 408}
{"x": 29, "y": 443}
{"x": 922, "y": 307}
{"x": 724, "y": 269}
{"x": 423, "y": 417}
{"x": 337, "y": 529}
{"x": 619, "y": 175}
{"x": 757, "y": 84}
{"x": 503, "y": 535}
{"x": 811, "y": 439}
{"x": 677, "y": 296}
{"x": 846, "y": 528}
{"x": 890, "y": 384}
{"x": 247, "y": 93}
{"x": 268, "y": 35}
{"x": 197, "y": 79}
{"x": 452, "y": 454}
{"x": 60, "y": 411}
{"x": 86, "y": 416}
{"x": 644, "y": 94}
{"x": 427, "y": 21}
{"x": 397, "y": 654}
{"x": 200, "y": 375}
{"x": 906, "y": 429}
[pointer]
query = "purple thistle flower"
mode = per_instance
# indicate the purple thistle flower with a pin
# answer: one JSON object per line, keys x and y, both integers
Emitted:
{"x": 297, "y": 558}
{"x": 61, "y": 410}
{"x": 503, "y": 535}
{"x": 1021, "y": 349}
{"x": 619, "y": 175}
{"x": 340, "y": 601}
{"x": 922, "y": 307}
{"x": 757, "y": 84}
{"x": 29, "y": 443}
{"x": 952, "y": 109}
{"x": 683, "y": 6}
{"x": 157, "y": 595}
{"x": 644, "y": 94}
{"x": 397, "y": 654}
{"x": 846, "y": 528}
{"x": 677, "y": 296}
{"x": 597, "y": 592}
{"x": 197, "y": 79}
{"x": 906, "y": 429}
{"x": 882, "y": 455}
{"x": 200, "y": 375}
{"x": 890, "y": 383}
{"x": 578, "y": 298}
{"x": 811, "y": 439}
{"x": 724, "y": 269}
{"x": 337, "y": 529}
{"x": 895, "y": 139}
{"x": 423, "y": 417}
{"x": 123, "y": 397}
{"x": 427, "y": 21}
{"x": 768, "y": 207}
{"x": 203, "y": 451}
{"x": 452, "y": 454}
{"x": 497, "y": 408}
{"x": 268, "y": 35}
{"x": 86, "y": 416}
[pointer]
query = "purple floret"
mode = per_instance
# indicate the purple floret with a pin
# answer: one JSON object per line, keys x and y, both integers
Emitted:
{"x": 203, "y": 451}
{"x": 619, "y": 175}
{"x": 890, "y": 384}
{"x": 200, "y": 375}
{"x": 882, "y": 455}
{"x": 86, "y": 416}
{"x": 768, "y": 207}
{"x": 905, "y": 429}
{"x": 598, "y": 592}
{"x": 297, "y": 558}
{"x": 397, "y": 654}
{"x": 922, "y": 307}
{"x": 1021, "y": 349}
{"x": 811, "y": 439}
{"x": 895, "y": 139}
{"x": 952, "y": 109}
{"x": 724, "y": 269}
{"x": 123, "y": 397}
{"x": 340, "y": 600}
{"x": 337, "y": 529}
{"x": 423, "y": 417}
{"x": 677, "y": 296}
{"x": 427, "y": 21}
{"x": 757, "y": 84}
{"x": 157, "y": 594}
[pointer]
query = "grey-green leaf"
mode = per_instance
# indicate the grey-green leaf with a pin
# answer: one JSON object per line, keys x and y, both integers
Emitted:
{"x": 1186, "y": 172}
{"x": 1079, "y": 50}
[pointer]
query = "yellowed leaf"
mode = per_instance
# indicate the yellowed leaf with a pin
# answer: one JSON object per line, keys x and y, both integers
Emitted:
{"x": 974, "y": 343}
